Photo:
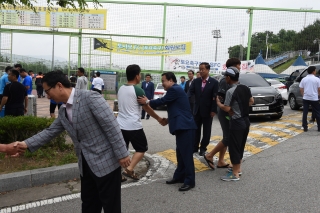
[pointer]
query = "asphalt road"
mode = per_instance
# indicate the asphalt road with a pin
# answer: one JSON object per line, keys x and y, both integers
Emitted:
{"x": 283, "y": 178}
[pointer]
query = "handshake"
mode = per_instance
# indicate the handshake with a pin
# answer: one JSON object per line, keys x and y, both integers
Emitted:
{"x": 14, "y": 149}
{"x": 163, "y": 121}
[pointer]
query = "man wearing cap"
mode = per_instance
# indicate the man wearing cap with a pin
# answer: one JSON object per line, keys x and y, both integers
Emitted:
{"x": 237, "y": 100}
{"x": 205, "y": 90}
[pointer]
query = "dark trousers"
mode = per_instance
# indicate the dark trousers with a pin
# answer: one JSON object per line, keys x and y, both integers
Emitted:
{"x": 143, "y": 114}
{"x": 184, "y": 152}
{"x": 315, "y": 111}
{"x": 14, "y": 112}
{"x": 100, "y": 192}
{"x": 191, "y": 105}
{"x": 39, "y": 90}
{"x": 237, "y": 143}
{"x": 206, "y": 122}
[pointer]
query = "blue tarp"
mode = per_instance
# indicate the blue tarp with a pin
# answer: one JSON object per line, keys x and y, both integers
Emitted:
{"x": 299, "y": 62}
{"x": 268, "y": 75}
{"x": 259, "y": 60}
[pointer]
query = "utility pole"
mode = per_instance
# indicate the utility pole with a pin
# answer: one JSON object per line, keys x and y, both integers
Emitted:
{"x": 216, "y": 34}
{"x": 305, "y": 14}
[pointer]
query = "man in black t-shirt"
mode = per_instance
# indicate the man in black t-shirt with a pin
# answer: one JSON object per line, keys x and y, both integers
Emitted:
{"x": 73, "y": 80}
{"x": 14, "y": 94}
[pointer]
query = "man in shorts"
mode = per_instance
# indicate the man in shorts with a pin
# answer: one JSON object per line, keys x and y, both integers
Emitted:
{"x": 129, "y": 118}
{"x": 224, "y": 118}
{"x": 237, "y": 100}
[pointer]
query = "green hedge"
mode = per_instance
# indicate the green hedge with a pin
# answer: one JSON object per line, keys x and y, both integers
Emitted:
{"x": 23, "y": 127}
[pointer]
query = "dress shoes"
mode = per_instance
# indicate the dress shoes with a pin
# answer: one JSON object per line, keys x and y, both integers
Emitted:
{"x": 173, "y": 181}
{"x": 202, "y": 152}
{"x": 186, "y": 187}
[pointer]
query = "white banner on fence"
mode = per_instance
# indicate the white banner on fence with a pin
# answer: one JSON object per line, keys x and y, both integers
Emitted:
{"x": 183, "y": 65}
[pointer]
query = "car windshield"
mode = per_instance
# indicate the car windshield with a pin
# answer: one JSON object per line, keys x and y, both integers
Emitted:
{"x": 253, "y": 80}
{"x": 160, "y": 86}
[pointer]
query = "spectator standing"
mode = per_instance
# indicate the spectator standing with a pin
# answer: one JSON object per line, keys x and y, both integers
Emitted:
{"x": 183, "y": 82}
{"x": 221, "y": 147}
{"x": 53, "y": 106}
{"x": 97, "y": 139}
{"x": 27, "y": 81}
{"x": 148, "y": 88}
{"x": 38, "y": 83}
{"x": 73, "y": 80}
{"x": 4, "y": 81}
{"x": 97, "y": 83}
{"x": 129, "y": 118}
{"x": 14, "y": 96}
{"x": 198, "y": 74}
{"x": 31, "y": 74}
{"x": 187, "y": 87}
{"x": 310, "y": 89}
{"x": 17, "y": 67}
{"x": 182, "y": 125}
{"x": 205, "y": 90}
{"x": 82, "y": 81}
{"x": 237, "y": 99}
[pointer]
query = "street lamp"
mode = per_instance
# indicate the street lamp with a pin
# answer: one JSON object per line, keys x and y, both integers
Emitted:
{"x": 315, "y": 41}
{"x": 52, "y": 62}
{"x": 216, "y": 34}
{"x": 305, "y": 14}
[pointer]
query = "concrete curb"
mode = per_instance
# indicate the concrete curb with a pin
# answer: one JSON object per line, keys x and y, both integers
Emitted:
{"x": 38, "y": 177}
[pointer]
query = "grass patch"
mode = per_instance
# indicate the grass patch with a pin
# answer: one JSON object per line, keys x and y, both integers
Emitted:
{"x": 284, "y": 66}
{"x": 41, "y": 158}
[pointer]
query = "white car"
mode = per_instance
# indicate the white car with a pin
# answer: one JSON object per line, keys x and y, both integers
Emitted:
{"x": 281, "y": 88}
{"x": 159, "y": 92}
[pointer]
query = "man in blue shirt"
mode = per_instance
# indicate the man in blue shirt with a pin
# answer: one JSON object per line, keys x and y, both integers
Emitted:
{"x": 27, "y": 80}
{"x": 4, "y": 80}
{"x": 183, "y": 82}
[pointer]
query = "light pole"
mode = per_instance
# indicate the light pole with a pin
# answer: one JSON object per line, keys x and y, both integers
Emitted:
{"x": 216, "y": 34}
{"x": 52, "y": 62}
{"x": 270, "y": 50}
{"x": 305, "y": 14}
{"x": 315, "y": 41}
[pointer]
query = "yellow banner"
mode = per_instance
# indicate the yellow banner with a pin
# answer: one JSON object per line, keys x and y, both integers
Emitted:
{"x": 57, "y": 17}
{"x": 142, "y": 49}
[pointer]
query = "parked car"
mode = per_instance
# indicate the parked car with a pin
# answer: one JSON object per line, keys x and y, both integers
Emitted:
{"x": 281, "y": 88}
{"x": 290, "y": 80}
{"x": 267, "y": 100}
{"x": 294, "y": 95}
{"x": 159, "y": 92}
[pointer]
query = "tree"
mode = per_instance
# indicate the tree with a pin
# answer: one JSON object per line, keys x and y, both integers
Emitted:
{"x": 234, "y": 52}
{"x": 78, "y": 4}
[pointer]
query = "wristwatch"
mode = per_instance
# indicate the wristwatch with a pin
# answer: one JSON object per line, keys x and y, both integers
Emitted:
{"x": 147, "y": 101}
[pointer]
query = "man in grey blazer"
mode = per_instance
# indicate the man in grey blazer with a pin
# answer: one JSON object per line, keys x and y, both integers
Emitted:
{"x": 97, "y": 139}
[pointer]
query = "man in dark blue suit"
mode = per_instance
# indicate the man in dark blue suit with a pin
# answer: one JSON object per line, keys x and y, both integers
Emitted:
{"x": 148, "y": 88}
{"x": 182, "y": 125}
{"x": 205, "y": 90}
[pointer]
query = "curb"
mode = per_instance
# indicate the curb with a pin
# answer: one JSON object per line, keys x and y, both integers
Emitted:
{"x": 38, "y": 177}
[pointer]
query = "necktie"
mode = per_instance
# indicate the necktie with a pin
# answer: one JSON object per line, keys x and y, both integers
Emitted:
{"x": 204, "y": 82}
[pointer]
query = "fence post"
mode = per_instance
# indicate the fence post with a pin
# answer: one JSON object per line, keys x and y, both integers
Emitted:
{"x": 163, "y": 31}
{"x": 79, "y": 47}
{"x": 249, "y": 33}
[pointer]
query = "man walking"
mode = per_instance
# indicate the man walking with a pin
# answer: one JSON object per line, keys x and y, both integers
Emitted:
{"x": 97, "y": 138}
{"x": 97, "y": 83}
{"x": 237, "y": 99}
{"x": 187, "y": 87}
{"x": 182, "y": 125}
{"x": 27, "y": 81}
{"x": 129, "y": 118}
{"x": 310, "y": 90}
{"x": 148, "y": 88}
{"x": 82, "y": 81}
{"x": 205, "y": 90}
{"x": 183, "y": 82}
{"x": 14, "y": 96}
{"x": 38, "y": 83}
{"x": 4, "y": 80}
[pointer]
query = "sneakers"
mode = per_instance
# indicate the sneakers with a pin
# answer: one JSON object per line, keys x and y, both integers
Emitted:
{"x": 230, "y": 170}
{"x": 230, "y": 177}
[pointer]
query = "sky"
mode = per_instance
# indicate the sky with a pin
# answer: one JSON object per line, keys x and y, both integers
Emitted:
{"x": 183, "y": 24}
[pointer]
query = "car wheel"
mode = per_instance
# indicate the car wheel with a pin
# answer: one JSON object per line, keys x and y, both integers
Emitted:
{"x": 285, "y": 102}
{"x": 293, "y": 102}
{"x": 276, "y": 116}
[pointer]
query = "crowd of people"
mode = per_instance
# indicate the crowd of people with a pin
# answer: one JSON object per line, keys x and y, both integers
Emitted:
{"x": 101, "y": 140}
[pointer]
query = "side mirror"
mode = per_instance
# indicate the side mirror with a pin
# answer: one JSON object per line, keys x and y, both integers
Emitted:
{"x": 269, "y": 83}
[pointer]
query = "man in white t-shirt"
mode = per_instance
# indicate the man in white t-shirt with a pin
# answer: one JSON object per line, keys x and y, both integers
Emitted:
{"x": 310, "y": 89}
{"x": 129, "y": 117}
{"x": 97, "y": 83}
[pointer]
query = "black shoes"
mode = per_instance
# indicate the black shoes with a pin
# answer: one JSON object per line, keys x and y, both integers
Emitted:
{"x": 305, "y": 129}
{"x": 148, "y": 117}
{"x": 186, "y": 187}
{"x": 173, "y": 181}
{"x": 202, "y": 152}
